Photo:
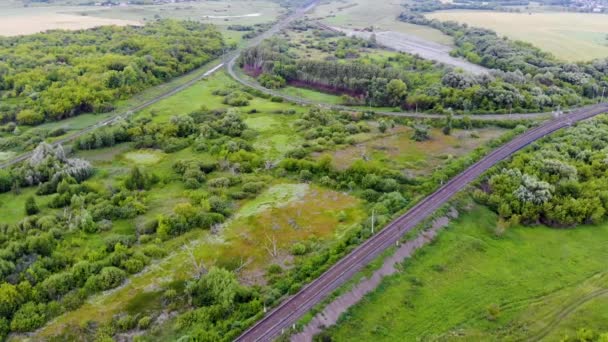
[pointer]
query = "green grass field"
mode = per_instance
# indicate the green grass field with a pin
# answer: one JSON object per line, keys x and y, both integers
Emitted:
{"x": 380, "y": 14}
{"x": 200, "y": 94}
{"x": 472, "y": 285}
{"x": 568, "y": 36}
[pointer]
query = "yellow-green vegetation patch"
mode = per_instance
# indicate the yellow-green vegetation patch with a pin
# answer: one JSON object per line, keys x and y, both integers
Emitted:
{"x": 277, "y": 145}
{"x": 552, "y": 32}
{"x": 277, "y": 196}
{"x": 276, "y": 134}
{"x": 262, "y": 123}
{"x": 317, "y": 214}
{"x": 397, "y": 149}
{"x": 300, "y": 212}
{"x": 104, "y": 155}
{"x": 144, "y": 157}
{"x": 6, "y": 155}
{"x": 102, "y": 307}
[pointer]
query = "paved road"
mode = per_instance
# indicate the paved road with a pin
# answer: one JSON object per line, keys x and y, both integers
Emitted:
{"x": 270, "y": 32}
{"x": 294, "y": 307}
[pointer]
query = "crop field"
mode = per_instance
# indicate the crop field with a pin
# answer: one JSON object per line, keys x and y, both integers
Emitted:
{"x": 34, "y": 23}
{"x": 380, "y": 14}
{"x": 397, "y": 149}
{"x": 568, "y": 36}
{"x": 473, "y": 284}
{"x": 15, "y": 19}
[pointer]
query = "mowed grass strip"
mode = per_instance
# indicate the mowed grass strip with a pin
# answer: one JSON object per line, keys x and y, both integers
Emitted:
{"x": 568, "y": 36}
{"x": 476, "y": 286}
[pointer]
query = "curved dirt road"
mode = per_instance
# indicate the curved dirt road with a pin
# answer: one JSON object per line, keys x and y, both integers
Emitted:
{"x": 113, "y": 119}
{"x": 287, "y": 313}
{"x": 238, "y": 76}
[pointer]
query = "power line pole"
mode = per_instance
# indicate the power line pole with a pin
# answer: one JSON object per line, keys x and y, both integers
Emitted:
{"x": 373, "y": 219}
{"x": 603, "y": 91}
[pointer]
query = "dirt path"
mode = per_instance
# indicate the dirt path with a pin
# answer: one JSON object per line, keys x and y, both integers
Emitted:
{"x": 329, "y": 316}
{"x": 417, "y": 46}
{"x": 565, "y": 312}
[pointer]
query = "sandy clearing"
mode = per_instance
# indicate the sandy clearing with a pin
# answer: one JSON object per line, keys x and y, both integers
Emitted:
{"x": 29, "y": 24}
{"x": 417, "y": 46}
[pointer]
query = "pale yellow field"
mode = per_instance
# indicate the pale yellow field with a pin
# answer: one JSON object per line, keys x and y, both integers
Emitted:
{"x": 568, "y": 36}
{"x": 28, "y": 24}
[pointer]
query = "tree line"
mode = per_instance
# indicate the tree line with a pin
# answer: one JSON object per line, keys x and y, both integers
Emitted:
{"x": 59, "y": 74}
{"x": 549, "y": 79}
{"x": 560, "y": 181}
{"x": 409, "y": 82}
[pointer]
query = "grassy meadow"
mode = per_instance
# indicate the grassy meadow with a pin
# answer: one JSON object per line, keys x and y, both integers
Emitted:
{"x": 380, "y": 14}
{"x": 474, "y": 284}
{"x": 396, "y": 148}
{"x": 568, "y": 36}
{"x": 285, "y": 213}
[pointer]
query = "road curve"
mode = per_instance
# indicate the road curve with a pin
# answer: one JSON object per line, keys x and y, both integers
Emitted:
{"x": 231, "y": 68}
{"x": 113, "y": 119}
{"x": 288, "y": 312}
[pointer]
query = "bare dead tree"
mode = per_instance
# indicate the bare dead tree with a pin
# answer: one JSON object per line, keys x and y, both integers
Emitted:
{"x": 242, "y": 265}
{"x": 271, "y": 246}
{"x": 199, "y": 266}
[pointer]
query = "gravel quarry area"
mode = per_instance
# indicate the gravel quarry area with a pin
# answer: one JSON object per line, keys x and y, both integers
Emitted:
{"x": 417, "y": 46}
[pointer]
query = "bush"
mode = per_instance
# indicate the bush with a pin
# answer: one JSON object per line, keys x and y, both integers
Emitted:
{"x": 31, "y": 208}
{"x": 5, "y": 328}
{"x": 29, "y": 317}
{"x": 298, "y": 249}
{"x": 30, "y": 117}
{"x": 109, "y": 277}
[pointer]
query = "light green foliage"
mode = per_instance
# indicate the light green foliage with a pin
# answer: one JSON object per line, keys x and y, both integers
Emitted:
{"x": 276, "y": 196}
{"x": 397, "y": 92}
{"x": 217, "y": 287}
{"x": 560, "y": 182}
{"x": 61, "y": 74}
{"x": 513, "y": 286}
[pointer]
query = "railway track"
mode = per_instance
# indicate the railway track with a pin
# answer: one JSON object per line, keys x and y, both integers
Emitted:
{"x": 113, "y": 119}
{"x": 288, "y": 312}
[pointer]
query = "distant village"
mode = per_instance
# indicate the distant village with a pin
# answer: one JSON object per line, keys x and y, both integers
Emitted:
{"x": 113, "y": 3}
{"x": 596, "y": 6}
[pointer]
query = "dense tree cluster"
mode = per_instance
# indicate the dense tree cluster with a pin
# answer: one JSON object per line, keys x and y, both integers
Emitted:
{"x": 58, "y": 74}
{"x": 524, "y": 79}
{"x": 540, "y": 79}
{"x": 48, "y": 166}
{"x": 559, "y": 182}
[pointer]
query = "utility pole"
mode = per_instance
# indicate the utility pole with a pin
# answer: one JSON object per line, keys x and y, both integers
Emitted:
{"x": 603, "y": 91}
{"x": 373, "y": 219}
